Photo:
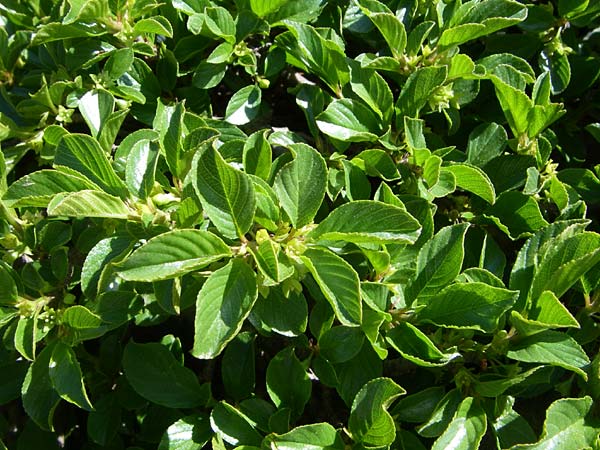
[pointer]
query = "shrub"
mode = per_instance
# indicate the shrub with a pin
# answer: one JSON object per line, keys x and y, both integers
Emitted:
{"x": 284, "y": 224}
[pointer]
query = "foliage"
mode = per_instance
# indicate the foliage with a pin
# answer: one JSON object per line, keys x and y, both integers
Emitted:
{"x": 284, "y": 224}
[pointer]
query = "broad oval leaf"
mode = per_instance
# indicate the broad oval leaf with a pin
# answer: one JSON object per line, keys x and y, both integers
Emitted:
{"x": 67, "y": 379}
{"x": 141, "y": 167}
{"x": 466, "y": 429}
{"x": 301, "y": 183}
{"x": 349, "y": 121}
{"x": 317, "y": 436}
{"x": 476, "y": 306}
{"x": 187, "y": 433}
{"x": 89, "y": 203}
{"x": 473, "y": 179}
{"x": 438, "y": 263}
{"x": 233, "y": 426}
{"x": 288, "y": 384}
{"x": 156, "y": 375}
{"x": 223, "y": 303}
{"x": 244, "y": 105}
{"x": 367, "y": 221}
{"x": 82, "y": 153}
{"x": 227, "y": 195}
{"x": 370, "y": 423}
{"x": 173, "y": 254}
{"x": 339, "y": 284}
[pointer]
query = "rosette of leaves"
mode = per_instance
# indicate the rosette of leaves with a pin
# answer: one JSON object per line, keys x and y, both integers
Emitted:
{"x": 299, "y": 225}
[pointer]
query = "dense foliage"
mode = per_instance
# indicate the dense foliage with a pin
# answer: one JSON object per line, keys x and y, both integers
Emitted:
{"x": 299, "y": 224}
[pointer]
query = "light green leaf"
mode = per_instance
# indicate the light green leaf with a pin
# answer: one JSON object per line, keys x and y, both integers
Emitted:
{"x": 141, "y": 168}
{"x": 546, "y": 312}
{"x": 415, "y": 346}
{"x": 156, "y": 375}
{"x": 377, "y": 163}
{"x": 301, "y": 183}
{"x": 105, "y": 251}
{"x": 10, "y": 291}
{"x": 89, "y": 203}
{"x": 244, "y": 105}
{"x": 438, "y": 263}
{"x": 80, "y": 318}
{"x": 223, "y": 303}
{"x": 188, "y": 433}
{"x": 370, "y": 423}
{"x": 317, "y": 436}
{"x": 418, "y": 88}
{"x": 82, "y": 153}
{"x": 257, "y": 156}
{"x": 349, "y": 121}
{"x": 373, "y": 90}
{"x": 565, "y": 262}
{"x": 466, "y": 429}
{"x": 232, "y": 426}
{"x": 66, "y": 376}
{"x": 567, "y": 426}
{"x": 368, "y": 221}
{"x": 551, "y": 347}
{"x": 118, "y": 63}
{"x": 25, "y": 337}
{"x": 96, "y": 107}
{"x": 476, "y": 306}
{"x": 155, "y": 25}
{"x": 227, "y": 195}
{"x": 515, "y": 104}
{"x": 38, "y": 395}
{"x": 339, "y": 284}
{"x": 288, "y": 384}
{"x": 263, "y": 7}
{"x": 392, "y": 30}
{"x": 172, "y": 254}
{"x": 473, "y": 179}
{"x": 486, "y": 141}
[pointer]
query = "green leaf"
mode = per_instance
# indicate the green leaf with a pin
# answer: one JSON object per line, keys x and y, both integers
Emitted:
{"x": 370, "y": 423}
{"x": 66, "y": 376}
{"x": 141, "y": 168}
{"x": 80, "y": 318}
{"x": 96, "y": 107}
{"x": 172, "y": 254}
{"x": 418, "y": 407}
{"x": 264, "y": 7}
{"x": 155, "y": 25}
{"x": 38, "y": 395}
{"x": 238, "y": 366}
{"x": 545, "y": 312}
{"x": 377, "y": 163}
{"x": 476, "y": 306}
{"x": 169, "y": 121}
{"x": 373, "y": 90}
{"x": 415, "y": 346}
{"x": 105, "y": 251}
{"x": 418, "y": 89}
{"x": 349, "y": 121}
{"x": 301, "y": 183}
{"x": 515, "y": 104}
{"x": 339, "y": 284}
{"x": 317, "y": 436}
{"x": 516, "y": 214}
{"x": 232, "y": 426}
{"x": 340, "y": 344}
{"x": 567, "y": 426}
{"x": 473, "y": 179}
{"x": 257, "y": 156}
{"x": 119, "y": 63}
{"x": 284, "y": 314}
{"x": 227, "y": 195}
{"x": 156, "y": 375}
{"x": 392, "y": 30}
{"x": 82, "y": 153}
{"x": 551, "y": 347}
{"x": 25, "y": 337}
{"x": 288, "y": 384}
{"x": 244, "y": 105}
{"x": 10, "y": 291}
{"x": 188, "y": 433}
{"x": 466, "y": 429}
{"x": 368, "y": 221}
{"x": 479, "y": 18}
{"x": 565, "y": 262}
{"x": 89, "y": 203}
{"x": 223, "y": 303}
{"x": 439, "y": 261}
{"x": 486, "y": 142}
